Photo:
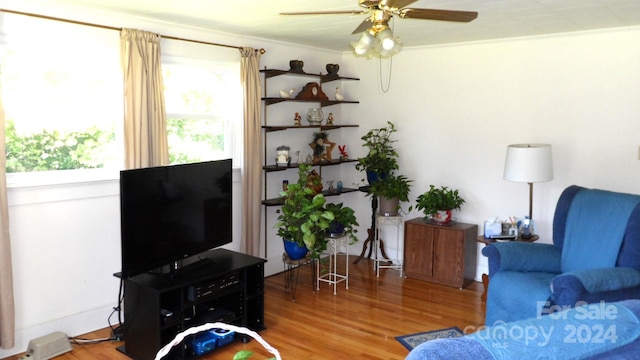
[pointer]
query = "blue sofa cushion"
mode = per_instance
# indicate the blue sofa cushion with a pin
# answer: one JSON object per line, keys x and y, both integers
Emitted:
{"x": 593, "y": 337}
{"x": 508, "y": 256}
{"x": 560, "y": 215}
{"x": 501, "y": 303}
{"x": 600, "y": 280}
{"x": 596, "y": 224}
{"x": 577, "y": 333}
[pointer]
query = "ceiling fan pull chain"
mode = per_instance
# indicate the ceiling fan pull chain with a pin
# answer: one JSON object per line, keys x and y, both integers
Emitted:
{"x": 382, "y": 87}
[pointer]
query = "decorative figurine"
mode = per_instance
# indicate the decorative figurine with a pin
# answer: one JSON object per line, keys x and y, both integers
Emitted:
{"x": 322, "y": 147}
{"x": 338, "y": 95}
{"x": 296, "y": 119}
{"x": 298, "y": 157}
{"x": 339, "y": 186}
{"x": 283, "y": 159}
{"x": 285, "y": 95}
{"x": 330, "y": 119}
{"x": 343, "y": 152}
{"x": 331, "y": 188}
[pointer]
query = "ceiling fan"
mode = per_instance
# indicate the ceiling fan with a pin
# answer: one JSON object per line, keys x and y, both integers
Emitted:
{"x": 381, "y": 11}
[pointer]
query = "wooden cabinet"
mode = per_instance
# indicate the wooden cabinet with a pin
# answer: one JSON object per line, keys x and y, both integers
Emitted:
{"x": 440, "y": 254}
{"x": 224, "y": 286}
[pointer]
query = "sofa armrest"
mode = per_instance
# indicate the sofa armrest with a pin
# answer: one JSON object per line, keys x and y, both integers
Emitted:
{"x": 522, "y": 256}
{"x": 598, "y": 280}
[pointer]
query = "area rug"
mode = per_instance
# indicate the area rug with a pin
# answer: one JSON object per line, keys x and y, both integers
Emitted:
{"x": 413, "y": 340}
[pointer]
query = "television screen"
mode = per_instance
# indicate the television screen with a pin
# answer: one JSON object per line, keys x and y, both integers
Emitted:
{"x": 170, "y": 213}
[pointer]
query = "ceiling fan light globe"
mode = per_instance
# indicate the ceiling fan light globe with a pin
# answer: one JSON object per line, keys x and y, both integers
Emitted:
{"x": 388, "y": 43}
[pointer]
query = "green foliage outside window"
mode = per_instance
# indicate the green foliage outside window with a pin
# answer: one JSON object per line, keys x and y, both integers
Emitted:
{"x": 194, "y": 140}
{"x": 54, "y": 150}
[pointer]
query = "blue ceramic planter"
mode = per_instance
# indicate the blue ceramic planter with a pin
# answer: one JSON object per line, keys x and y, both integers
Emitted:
{"x": 293, "y": 250}
{"x": 372, "y": 177}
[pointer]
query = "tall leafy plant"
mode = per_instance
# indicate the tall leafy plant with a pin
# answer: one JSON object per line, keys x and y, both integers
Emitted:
{"x": 382, "y": 157}
{"x": 303, "y": 217}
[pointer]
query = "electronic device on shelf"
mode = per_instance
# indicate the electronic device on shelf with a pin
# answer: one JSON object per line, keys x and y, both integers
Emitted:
{"x": 213, "y": 287}
{"x": 170, "y": 214}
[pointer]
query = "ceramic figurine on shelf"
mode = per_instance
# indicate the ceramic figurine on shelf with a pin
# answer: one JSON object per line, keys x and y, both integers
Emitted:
{"x": 286, "y": 95}
{"x": 322, "y": 147}
{"x": 296, "y": 119}
{"x": 298, "y": 161}
{"x": 343, "y": 152}
{"x": 338, "y": 94}
{"x": 331, "y": 188}
{"x": 330, "y": 119}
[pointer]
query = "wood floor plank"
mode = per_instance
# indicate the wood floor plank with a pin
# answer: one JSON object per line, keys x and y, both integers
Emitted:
{"x": 357, "y": 323}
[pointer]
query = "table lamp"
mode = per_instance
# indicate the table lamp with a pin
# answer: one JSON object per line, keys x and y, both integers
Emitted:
{"x": 528, "y": 163}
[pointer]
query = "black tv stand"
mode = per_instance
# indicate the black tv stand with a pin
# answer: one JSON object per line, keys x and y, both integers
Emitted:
{"x": 228, "y": 286}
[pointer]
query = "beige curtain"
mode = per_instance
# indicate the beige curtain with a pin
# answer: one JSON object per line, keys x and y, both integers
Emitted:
{"x": 145, "y": 131}
{"x": 7, "y": 310}
{"x": 252, "y": 159}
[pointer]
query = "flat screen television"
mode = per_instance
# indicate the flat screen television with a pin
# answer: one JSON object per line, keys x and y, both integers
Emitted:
{"x": 171, "y": 213}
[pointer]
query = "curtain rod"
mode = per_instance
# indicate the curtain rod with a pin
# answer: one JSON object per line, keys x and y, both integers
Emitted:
{"x": 262, "y": 51}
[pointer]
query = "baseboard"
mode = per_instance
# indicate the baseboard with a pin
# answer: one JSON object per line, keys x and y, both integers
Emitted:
{"x": 73, "y": 325}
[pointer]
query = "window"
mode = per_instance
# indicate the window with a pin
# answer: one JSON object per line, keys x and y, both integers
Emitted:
{"x": 203, "y": 100}
{"x": 62, "y": 94}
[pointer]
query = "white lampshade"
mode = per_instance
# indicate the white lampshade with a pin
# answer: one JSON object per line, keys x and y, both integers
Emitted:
{"x": 528, "y": 163}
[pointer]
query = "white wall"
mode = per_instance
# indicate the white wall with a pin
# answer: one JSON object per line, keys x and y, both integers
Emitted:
{"x": 66, "y": 237}
{"x": 457, "y": 107}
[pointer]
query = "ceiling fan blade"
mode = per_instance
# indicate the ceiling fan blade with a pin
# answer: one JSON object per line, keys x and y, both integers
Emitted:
{"x": 350, "y": 12}
{"x": 363, "y": 26}
{"x": 433, "y": 14}
{"x": 398, "y": 4}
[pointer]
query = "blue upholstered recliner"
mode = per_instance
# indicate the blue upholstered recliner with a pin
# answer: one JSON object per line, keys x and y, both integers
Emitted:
{"x": 595, "y": 256}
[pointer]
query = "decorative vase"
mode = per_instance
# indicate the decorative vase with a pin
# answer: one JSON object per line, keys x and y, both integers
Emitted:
{"x": 442, "y": 216}
{"x": 332, "y": 69}
{"x": 372, "y": 177}
{"x": 388, "y": 207}
{"x": 336, "y": 229}
{"x": 314, "y": 116}
{"x": 293, "y": 250}
{"x": 296, "y": 65}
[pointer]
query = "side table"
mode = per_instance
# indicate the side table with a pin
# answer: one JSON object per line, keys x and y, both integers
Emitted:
{"x": 385, "y": 262}
{"x": 332, "y": 276}
{"x": 371, "y": 232}
{"x": 488, "y": 241}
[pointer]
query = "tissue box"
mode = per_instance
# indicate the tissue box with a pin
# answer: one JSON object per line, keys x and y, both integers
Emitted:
{"x": 492, "y": 229}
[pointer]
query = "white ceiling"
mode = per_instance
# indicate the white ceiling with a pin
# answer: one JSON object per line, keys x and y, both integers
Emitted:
{"x": 496, "y": 19}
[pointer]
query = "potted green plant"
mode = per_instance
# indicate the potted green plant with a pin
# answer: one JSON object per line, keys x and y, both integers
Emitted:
{"x": 382, "y": 158}
{"x": 437, "y": 203}
{"x": 391, "y": 191}
{"x": 344, "y": 221}
{"x": 303, "y": 219}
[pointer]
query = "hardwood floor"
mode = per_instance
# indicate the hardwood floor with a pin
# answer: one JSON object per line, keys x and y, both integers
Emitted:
{"x": 357, "y": 323}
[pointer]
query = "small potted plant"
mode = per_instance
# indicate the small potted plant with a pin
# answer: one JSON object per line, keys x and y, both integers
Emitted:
{"x": 303, "y": 219}
{"x": 344, "y": 221}
{"x": 437, "y": 203}
{"x": 391, "y": 191}
{"x": 382, "y": 158}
